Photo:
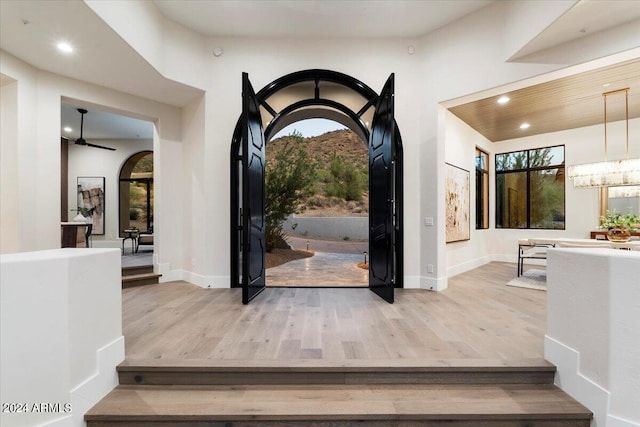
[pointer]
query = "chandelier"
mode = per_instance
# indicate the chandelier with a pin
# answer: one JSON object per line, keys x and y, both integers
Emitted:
{"x": 602, "y": 174}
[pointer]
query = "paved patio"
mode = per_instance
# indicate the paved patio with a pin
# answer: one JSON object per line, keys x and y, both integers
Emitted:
{"x": 324, "y": 269}
{"x": 333, "y": 265}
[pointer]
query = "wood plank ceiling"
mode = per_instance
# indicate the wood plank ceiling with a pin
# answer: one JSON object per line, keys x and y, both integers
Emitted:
{"x": 566, "y": 103}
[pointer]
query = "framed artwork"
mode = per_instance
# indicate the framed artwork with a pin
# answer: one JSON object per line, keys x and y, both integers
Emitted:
{"x": 458, "y": 204}
{"x": 91, "y": 196}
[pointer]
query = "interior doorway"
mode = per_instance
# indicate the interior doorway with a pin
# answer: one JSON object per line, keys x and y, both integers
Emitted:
{"x": 136, "y": 193}
{"x": 317, "y": 210}
{"x": 321, "y": 94}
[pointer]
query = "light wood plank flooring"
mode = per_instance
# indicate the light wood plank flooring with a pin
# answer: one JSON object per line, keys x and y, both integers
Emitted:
{"x": 476, "y": 405}
{"x": 477, "y": 317}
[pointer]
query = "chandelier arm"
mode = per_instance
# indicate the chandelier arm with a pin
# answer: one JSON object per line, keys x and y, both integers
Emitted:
{"x": 605, "y": 126}
{"x": 626, "y": 97}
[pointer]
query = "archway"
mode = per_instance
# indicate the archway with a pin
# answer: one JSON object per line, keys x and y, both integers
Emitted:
{"x": 136, "y": 193}
{"x": 317, "y": 206}
{"x": 306, "y": 94}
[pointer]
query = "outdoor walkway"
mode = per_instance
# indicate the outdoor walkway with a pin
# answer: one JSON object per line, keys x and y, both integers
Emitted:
{"x": 324, "y": 269}
{"x": 334, "y": 264}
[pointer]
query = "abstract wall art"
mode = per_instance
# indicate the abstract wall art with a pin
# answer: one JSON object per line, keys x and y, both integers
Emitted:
{"x": 457, "y": 189}
{"x": 91, "y": 196}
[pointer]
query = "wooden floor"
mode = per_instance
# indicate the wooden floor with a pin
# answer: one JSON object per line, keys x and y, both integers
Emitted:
{"x": 477, "y": 317}
{"x": 470, "y": 356}
{"x": 480, "y": 406}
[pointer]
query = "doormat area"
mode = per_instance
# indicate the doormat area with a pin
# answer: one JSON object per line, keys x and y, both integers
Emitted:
{"x": 531, "y": 279}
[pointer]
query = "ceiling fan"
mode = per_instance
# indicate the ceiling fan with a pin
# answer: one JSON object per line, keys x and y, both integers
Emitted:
{"x": 81, "y": 140}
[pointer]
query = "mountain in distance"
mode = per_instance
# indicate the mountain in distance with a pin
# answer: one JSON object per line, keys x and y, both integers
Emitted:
{"x": 344, "y": 150}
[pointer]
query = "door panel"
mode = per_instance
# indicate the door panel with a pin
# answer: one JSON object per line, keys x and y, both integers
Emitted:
{"x": 253, "y": 218}
{"x": 381, "y": 195}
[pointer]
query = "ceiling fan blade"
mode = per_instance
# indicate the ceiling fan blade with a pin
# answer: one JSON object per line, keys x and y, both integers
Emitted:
{"x": 81, "y": 140}
{"x": 98, "y": 146}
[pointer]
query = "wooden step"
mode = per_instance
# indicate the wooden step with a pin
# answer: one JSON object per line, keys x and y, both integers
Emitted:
{"x": 532, "y": 405}
{"x": 137, "y": 269}
{"x": 395, "y": 371}
{"x": 140, "y": 280}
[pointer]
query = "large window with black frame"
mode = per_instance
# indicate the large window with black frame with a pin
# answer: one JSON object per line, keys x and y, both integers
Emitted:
{"x": 530, "y": 188}
{"x": 482, "y": 189}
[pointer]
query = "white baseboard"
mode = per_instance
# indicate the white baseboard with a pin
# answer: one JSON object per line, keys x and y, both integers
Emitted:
{"x": 428, "y": 283}
{"x": 94, "y": 388}
{"x": 469, "y": 265}
{"x": 619, "y": 422}
{"x": 570, "y": 380}
{"x": 207, "y": 282}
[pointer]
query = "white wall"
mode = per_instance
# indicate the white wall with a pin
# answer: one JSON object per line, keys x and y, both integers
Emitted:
{"x": 461, "y": 142}
{"x": 39, "y": 97}
{"x": 9, "y": 178}
{"x": 597, "y": 352}
{"x": 61, "y": 332}
{"x": 464, "y": 57}
{"x": 20, "y": 144}
{"x": 87, "y": 161}
{"x": 193, "y": 141}
{"x": 371, "y": 61}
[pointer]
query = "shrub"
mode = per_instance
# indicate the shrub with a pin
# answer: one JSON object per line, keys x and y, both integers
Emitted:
{"x": 288, "y": 177}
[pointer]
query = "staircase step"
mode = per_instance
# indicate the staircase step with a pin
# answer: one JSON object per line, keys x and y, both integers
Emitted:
{"x": 140, "y": 280}
{"x": 256, "y": 372}
{"x": 137, "y": 269}
{"x": 532, "y": 405}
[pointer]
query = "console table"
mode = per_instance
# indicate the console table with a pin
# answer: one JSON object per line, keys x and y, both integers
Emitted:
{"x": 602, "y": 234}
{"x": 74, "y": 235}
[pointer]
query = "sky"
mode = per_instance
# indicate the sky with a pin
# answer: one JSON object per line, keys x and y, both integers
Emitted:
{"x": 310, "y": 127}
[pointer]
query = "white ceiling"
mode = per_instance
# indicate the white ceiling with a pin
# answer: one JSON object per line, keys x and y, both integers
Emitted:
{"x": 346, "y": 18}
{"x": 586, "y": 18}
{"x": 103, "y": 125}
{"x": 29, "y": 30}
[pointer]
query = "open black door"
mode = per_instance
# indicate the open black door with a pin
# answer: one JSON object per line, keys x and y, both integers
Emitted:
{"x": 253, "y": 220}
{"x": 381, "y": 196}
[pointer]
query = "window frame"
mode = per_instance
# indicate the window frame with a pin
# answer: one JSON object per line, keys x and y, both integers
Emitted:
{"x": 482, "y": 197}
{"x": 528, "y": 170}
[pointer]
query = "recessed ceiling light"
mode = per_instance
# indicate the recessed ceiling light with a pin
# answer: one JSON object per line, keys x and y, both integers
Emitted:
{"x": 525, "y": 125}
{"x": 503, "y": 99}
{"x": 64, "y": 47}
{"x": 67, "y": 129}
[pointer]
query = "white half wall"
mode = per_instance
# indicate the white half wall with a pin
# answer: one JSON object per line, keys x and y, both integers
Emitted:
{"x": 593, "y": 319}
{"x": 61, "y": 320}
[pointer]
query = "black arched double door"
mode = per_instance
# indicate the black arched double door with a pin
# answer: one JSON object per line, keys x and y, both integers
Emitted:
{"x": 385, "y": 178}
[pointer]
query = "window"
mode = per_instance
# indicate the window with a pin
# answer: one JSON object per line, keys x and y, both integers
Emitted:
{"x": 530, "y": 189}
{"x": 482, "y": 189}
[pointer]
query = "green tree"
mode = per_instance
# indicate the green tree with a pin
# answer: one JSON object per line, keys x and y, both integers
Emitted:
{"x": 289, "y": 176}
{"x": 345, "y": 181}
